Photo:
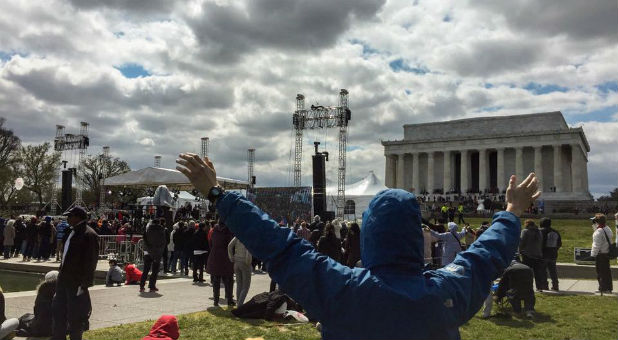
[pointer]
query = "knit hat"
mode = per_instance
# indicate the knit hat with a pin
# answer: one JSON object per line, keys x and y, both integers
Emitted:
{"x": 51, "y": 275}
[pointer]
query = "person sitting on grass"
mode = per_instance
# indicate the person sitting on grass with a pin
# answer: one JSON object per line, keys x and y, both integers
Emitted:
{"x": 392, "y": 297}
{"x": 165, "y": 328}
{"x": 7, "y": 326}
{"x": 114, "y": 274}
{"x": 516, "y": 285}
{"x": 39, "y": 324}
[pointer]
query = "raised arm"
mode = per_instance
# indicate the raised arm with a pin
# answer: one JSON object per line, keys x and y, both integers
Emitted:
{"x": 311, "y": 279}
{"x": 468, "y": 278}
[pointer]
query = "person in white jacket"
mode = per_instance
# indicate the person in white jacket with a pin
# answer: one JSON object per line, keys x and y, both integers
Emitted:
{"x": 240, "y": 256}
{"x": 600, "y": 251}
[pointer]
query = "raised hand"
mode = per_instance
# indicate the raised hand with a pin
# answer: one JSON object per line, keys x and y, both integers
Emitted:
{"x": 201, "y": 172}
{"x": 519, "y": 197}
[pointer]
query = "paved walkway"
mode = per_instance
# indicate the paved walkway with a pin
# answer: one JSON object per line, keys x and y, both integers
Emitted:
{"x": 113, "y": 306}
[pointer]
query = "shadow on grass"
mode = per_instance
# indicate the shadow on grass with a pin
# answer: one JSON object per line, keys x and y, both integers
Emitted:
{"x": 227, "y": 313}
{"x": 520, "y": 321}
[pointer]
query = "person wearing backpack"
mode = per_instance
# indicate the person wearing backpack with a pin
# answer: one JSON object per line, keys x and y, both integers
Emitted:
{"x": 531, "y": 250}
{"x": 600, "y": 251}
{"x": 551, "y": 243}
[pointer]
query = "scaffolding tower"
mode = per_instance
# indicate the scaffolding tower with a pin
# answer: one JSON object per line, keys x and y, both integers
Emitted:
{"x": 157, "y": 161}
{"x": 250, "y": 165}
{"x": 205, "y": 145}
{"x": 69, "y": 143}
{"x": 102, "y": 188}
{"x": 323, "y": 117}
{"x": 83, "y": 131}
{"x": 54, "y": 194}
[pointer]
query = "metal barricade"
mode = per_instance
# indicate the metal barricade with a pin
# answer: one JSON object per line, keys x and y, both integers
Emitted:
{"x": 121, "y": 248}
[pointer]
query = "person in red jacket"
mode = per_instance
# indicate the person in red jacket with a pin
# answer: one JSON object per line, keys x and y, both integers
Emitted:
{"x": 133, "y": 274}
{"x": 166, "y": 328}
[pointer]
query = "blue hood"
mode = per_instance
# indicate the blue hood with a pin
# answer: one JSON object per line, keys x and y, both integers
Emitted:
{"x": 391, "y": 234}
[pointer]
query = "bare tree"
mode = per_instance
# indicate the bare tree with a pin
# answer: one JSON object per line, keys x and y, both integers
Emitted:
{"x": 9, "y": 158}
{"x": 96, "y": 168}
{"x": 38, "y": 168}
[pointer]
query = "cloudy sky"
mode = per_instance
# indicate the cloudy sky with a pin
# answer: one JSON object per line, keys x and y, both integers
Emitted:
{"x": 153, "y": 76}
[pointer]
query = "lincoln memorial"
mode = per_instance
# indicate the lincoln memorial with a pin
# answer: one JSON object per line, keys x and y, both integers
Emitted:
{"x": 478, "y": 155}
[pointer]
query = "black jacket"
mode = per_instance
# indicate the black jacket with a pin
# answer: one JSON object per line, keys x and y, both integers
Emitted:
{"x": 330, "y": 246}
{"x": 179, "y": 239}
{"x": 200, "y": 240}
{"x": 81, "y": 259}
{"x": 516, "y": 281}
{"x": 154, "y": 240}
{"x": 551, "y": 244}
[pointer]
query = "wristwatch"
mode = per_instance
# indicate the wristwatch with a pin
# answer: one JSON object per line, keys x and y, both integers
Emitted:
{"x": 214, "y": 194}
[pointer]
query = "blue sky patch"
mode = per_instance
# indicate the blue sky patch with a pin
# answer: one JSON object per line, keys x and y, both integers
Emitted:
{"x": 133, "y": 70}
{"x": 447, "y": 18}
{"x": 488, "y": 85}
{"x": 353, "y": 147}
{"x": 537, "y": 88}
{"x": 400, "y": 65}
{"x": 610, "y": 86}
{"x": 367, "y": 49}
{"x": 491, "y": 108}
{"x": 408, "y": 92}
{"x": 6, "y": 56}
{"x": 604, "y": 115}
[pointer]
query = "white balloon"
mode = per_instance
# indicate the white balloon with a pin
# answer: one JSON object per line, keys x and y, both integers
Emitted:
{"x": 19, "y": 183}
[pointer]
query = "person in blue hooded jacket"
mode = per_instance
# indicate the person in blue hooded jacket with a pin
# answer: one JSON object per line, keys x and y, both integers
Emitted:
{"x": 392, "y": 297}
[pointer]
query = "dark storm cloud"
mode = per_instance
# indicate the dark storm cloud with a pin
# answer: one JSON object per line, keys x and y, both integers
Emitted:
{"x": 590, "y": 19}
{"x": 226, "y": 32}
{"x": 492, "y": 57}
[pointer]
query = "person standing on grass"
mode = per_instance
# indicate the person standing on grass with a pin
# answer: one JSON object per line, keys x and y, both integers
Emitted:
{"x": 600, "y": 251}
{"x": 219, "y": 265}
{"x": 531, "y": 250}
{"x": 451, "y": 242}
{"x": 350, "y": 303}
{"x": 154, "y": 242}
{"x": 551, "y": 243}
{"x": 71, "y": 304}
{"x": 241, "y": 257}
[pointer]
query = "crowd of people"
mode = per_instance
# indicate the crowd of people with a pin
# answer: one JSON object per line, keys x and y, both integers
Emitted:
{"x": 397, "y": 243}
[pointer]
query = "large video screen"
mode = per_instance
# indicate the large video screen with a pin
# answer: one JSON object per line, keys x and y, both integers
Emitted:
{"x": 283, "y": 204}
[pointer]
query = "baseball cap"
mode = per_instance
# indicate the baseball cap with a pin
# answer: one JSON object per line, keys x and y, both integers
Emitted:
{"x": 76, "y": 211}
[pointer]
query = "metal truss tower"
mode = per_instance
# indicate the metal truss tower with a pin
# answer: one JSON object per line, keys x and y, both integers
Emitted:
{"x": 70, "y": 142}
{"x": 250, "y": 165}
{"x": 157, "y": 161}
{"x": 205, "y": 145}
{"x": 54, "y": 194}
{"x": 102, "y": 190}
{"x": 323, "y": 117}
{"x": 83, "y": 131}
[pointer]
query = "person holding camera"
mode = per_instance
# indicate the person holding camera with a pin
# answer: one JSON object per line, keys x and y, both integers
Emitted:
{"x": 349, "y": 302}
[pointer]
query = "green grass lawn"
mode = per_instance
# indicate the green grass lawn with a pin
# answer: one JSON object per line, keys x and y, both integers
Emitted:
{"x": 574, "y": 233}
{"x": 559, "y": 317}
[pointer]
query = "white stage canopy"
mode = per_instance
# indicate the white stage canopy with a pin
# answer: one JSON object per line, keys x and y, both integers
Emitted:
{"x": 153, "y": 177}
{"x": 357, "y": 195}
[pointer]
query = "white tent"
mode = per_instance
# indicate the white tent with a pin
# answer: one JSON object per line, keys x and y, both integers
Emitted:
{"x": 153, "y": 177}
{"x": 359, "y": 194}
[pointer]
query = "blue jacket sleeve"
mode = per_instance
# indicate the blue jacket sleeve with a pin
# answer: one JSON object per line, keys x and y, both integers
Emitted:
{"x": 311, "y": 279}
{"x": 467, "y": 280}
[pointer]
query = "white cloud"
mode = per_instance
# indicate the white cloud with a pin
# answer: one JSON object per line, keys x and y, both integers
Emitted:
{"x": 230, "y": 70}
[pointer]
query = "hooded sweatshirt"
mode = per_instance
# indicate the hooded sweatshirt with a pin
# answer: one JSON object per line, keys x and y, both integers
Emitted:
{"x": 166, "y": 328}
{"x": 450, "y": 242}
{"x": 392, "y": 298}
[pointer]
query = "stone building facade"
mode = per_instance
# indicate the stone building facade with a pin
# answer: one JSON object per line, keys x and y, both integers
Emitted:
{"x": 478, "y": 155}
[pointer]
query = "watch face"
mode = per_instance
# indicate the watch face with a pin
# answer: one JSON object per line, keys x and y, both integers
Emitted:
{"x": 216, "y": 191}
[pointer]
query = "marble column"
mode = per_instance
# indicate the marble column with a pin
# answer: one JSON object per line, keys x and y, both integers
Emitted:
{"x": 430, "y": 174}
{"x": 538, "y": 165}
{"x": 446, "y": 183}
{"x": 416, "y": 178}
{"x": 483, "y": 173}
{"x": 389, "y": 173}
{"x": 465, "y": 171}
{"x": 400, "y": 171}
{"x": 558, "y": 182}
{"x": 519, "y": 164}
{"x": 576, "y": 168}
{"x": 500, "y": 170}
